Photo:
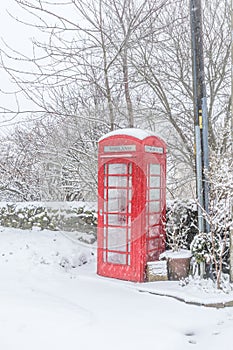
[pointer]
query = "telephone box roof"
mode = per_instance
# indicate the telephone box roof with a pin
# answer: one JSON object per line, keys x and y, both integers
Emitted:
{"x": 137, "y": 133}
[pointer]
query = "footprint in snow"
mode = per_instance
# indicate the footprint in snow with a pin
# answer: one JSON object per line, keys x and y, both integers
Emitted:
{"x": 219, "y": 324}
{"x": 190, "y": 339}
{"x": 216, "y": 333}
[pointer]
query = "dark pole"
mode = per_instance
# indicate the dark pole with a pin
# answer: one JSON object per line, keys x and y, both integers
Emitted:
{"x": 231, "y": 229}
{"x": 200, "y": 114}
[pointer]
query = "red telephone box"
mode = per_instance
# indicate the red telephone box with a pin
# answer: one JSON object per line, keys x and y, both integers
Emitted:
{"x": 131, "y": 203}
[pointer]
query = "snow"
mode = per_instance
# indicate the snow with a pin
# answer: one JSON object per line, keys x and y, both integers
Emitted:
{"x": 137, "y": 133}
{"x": 179, "y": 254}
{"x": 88, "y": 206}
{"x": 52, "y": 298}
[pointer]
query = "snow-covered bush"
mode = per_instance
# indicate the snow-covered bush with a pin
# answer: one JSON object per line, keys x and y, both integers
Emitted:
{"x": 219, "y": 217}
{"x": 213, "y": 247}
{"x": 201, "y": 248}
{"x": 207, "y": 250}
{"x": 181, "y": 224}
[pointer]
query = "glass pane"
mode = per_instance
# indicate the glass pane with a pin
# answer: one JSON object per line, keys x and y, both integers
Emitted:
{"x": 104, "y": 239}
{"x": 113, "y": 205}
{"x": 117, "y": 200}
{"x": 105, "y": 206}
{"x": 154, "y": 169}
{"x": 154, "y": 219}
{"x": 113, "y": 219}
{"x": 116, "y": 258}
{"x": 117, "y": 239}
{"x": 154, "y": 231}
{"x": 130, "y": 195}
{"x": 129, "y": 234}
{"x": 117, "y": 219}
{"x": 154, "y": 194}
{"x": 154, "y": 255}
{"x": 113, "y": 193}
{"x": 154, "y": 207}
{"x": 130, "y": 182}
{"x": 117, "y": 168}
{"x": 154, "y": 181}
{"x": 117, "y": 181}
{"x": 130, "y": 168}
{"x": 153, "y": 244}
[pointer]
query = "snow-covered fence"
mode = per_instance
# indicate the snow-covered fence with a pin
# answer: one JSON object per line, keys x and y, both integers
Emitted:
{"x": 66, "y": 216}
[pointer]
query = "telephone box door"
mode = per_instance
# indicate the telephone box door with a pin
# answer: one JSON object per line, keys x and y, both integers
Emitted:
{"x": 119, "y": 246}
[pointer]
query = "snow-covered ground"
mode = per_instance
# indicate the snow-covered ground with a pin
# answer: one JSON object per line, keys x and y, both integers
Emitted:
{"x": 50, "y": 300}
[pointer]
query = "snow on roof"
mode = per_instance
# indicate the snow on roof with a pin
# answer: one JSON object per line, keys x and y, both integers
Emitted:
{"x": 137, "y": 133}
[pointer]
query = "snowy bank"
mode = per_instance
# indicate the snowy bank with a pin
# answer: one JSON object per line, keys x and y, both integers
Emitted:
{"x": 52, "y": 298}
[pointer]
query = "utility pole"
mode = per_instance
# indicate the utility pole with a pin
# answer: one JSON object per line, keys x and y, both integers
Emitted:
{"x": 200, "y": 114}
{"x": 231, "y": 228}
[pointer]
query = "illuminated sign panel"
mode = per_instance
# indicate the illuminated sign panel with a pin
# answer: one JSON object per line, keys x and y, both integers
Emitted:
{"x": 120, "y": 148}
{"x": 153, "y": 149}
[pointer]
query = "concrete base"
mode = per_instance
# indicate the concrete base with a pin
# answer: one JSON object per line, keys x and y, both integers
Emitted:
{"x": 156, "y": 271}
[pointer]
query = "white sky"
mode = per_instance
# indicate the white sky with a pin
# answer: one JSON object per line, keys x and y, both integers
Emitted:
{"x": 17, "y": 36}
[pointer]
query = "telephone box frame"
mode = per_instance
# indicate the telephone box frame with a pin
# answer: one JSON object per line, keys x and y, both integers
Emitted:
{"x": 131, "y": 203}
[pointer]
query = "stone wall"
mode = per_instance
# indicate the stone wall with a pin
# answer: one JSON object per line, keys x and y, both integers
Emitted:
{"x": 66, "y": 216}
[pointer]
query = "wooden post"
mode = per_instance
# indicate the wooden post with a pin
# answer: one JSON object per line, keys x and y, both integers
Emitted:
{"x": 200, "y": 114}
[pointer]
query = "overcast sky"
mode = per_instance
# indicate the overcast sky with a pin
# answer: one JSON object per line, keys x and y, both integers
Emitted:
{"x": 17, "y": 36}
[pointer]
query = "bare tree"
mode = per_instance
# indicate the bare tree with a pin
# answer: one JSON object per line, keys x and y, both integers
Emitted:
{"x": 87, "y": 48}
{"x": 19, "y": 169}
{"x": 165, "y": 67}
{"x": 123, "y": 63}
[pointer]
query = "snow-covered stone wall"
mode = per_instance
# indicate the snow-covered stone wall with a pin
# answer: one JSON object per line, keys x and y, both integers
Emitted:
{"x": 66, "y": 216}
